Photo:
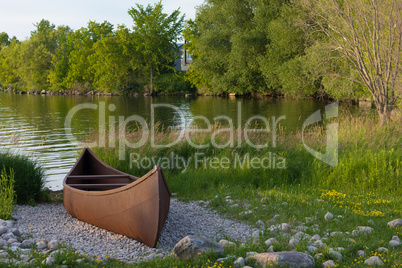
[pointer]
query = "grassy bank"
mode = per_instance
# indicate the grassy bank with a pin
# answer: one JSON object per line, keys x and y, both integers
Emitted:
{"x": 364, "y": 189}
{"x": 29, "y": 178}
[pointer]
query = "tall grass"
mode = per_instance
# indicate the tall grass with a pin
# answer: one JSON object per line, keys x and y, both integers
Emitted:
{"x": 369, "y": 159}
{"x": 7, "y": 193}
{"x": 29, "y": 177}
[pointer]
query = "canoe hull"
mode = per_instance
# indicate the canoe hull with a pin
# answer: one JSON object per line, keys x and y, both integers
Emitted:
{"x": 137, "y": 210}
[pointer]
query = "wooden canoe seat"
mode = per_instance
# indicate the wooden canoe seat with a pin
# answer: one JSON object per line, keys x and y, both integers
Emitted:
{"x": 98, "y": 186}
{"x": 95, "y": 177}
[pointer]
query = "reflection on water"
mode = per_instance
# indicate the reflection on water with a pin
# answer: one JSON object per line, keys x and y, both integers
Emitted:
{"x": 35, "y": 125}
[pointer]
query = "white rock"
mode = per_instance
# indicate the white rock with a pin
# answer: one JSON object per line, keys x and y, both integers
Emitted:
{"x": 360, "y": 253}
{"x": 315, "y": 237}
{"x": 223, "y": 242}
{"x": 27, "y": 243}
{"x": 382, "y": 249}
{"x": 328, "y": 216}
{"x": 365, "y": 229}
{"x": 311, "y": 249}
{"x": 16, "y": 232}
{"x": 41, "y": 245}
{"x": 239, "y": 263}
{"x": 394, "y": 243}
{"x": 336, "y": 234}
{"x": 191, "y": 245}
{"x": 299, "y": 235}
{"x": 259, "y": 224}
{"x": 355, "y": 232}
{"x": 284, "y": 259}
{"x": 226, "y": 259}
{"x": 53, "y": 245}
{"x": 374, "y": 260}
{"x": 250, "y": 254}
{"x": 271, "y": 249}
{"x": 49, "y": 260}
{"x": 285, "y": 227}
{"x": 293, "y": 242}
{"x": 395, "y": 223}
{"x": 3, "y": 230}
{"x": 336, "y": 255}
{"x": 396, "y": 238}
{"x": 269, "y": 242}
{"x": 328, "y": 263}
{"x": 10, "y": 224}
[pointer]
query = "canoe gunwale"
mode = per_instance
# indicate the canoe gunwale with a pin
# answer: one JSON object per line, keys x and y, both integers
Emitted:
{"x": 111, "y": 191}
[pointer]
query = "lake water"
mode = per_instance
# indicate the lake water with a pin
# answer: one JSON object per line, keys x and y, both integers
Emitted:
{"x": 35, "y": 125}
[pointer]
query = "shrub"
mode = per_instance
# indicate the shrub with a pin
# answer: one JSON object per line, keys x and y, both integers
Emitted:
{"x": 7, "y": 194}
{"x": 29, "y": 177}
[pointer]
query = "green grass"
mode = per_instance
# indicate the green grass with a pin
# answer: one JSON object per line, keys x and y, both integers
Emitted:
{"x": 29, "y": 177}
{"x": 365, "y": 188}
{"x": 7, "y": 194}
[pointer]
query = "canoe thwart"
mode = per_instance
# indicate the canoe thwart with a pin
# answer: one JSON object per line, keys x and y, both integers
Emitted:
{"x": 98, "y": 185}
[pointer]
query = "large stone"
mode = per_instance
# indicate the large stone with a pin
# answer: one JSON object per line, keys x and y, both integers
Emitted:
{"x": 374, "y": 260}
{"x": 41, "y": 245}
{"x": 10, "y": 224}
{"x": 329, "y": 263}
{"x": 53, "y": 245}
{"x": 336, "y": 255}
{"x": 16, "y": 232}
{"x": 269, "y": 242}
{"x": 27, "y": 243}
{"x": 394, "y": 243}
{"x": 239, "y": 263}
{"x": 328, "y": 216}
{"x": 191, "y": 246}
{"x": 226, "y": 243}
{"x": 284, "y": 259}
{"x": 285, "y": 227}
{"x": 365, "y": 229}
{"x": 395, "y": 223}
{"x": 3, "y": 230}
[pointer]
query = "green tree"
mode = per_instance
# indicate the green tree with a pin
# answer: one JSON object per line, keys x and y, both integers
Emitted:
{"x": 114, "y": 61}
{"x": 156, "y": 34}
{"x": 82, "y": 42}
{"x": 35, "y": 56}
{"x": 367, "y": 37}
{"x": 9, "y": 64}
{"x": 246, "y": 46}
{"x": 4, "y": 39}
{"x": 58, "y": 72}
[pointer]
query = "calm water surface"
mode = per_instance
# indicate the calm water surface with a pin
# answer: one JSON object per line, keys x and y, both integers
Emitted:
{"x": 35, "y": 125}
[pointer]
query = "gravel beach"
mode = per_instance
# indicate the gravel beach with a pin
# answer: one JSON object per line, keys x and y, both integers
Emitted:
{"x": 51, "y": 221}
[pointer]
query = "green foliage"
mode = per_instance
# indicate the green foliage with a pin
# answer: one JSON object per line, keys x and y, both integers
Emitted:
{"x": 156, "y": 34}
{"x": 4, "y": 39}
{"x": 248, "y": 46}
{"x": 95, "y": 57}
{"x": 29, "y": 177}
{"x": 7, "y": 193}
{"x": 174, "y": 82}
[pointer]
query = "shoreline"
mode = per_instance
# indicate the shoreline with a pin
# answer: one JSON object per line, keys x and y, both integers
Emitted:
{"x": 362, "y": 103}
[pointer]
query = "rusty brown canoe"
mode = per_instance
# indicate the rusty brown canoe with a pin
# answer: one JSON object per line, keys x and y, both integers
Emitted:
{"x": 108, "y": 198}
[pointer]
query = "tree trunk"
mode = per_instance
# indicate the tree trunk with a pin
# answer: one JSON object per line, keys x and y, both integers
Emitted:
{"x": 383, "y": 116}
{"x": 152, "y": 77}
